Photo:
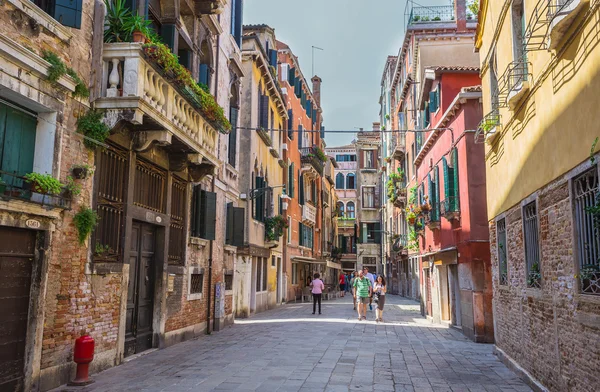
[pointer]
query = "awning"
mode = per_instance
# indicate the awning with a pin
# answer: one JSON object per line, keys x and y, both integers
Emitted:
{"x": 307, "y": 260}
{"x": 331, "y": 264}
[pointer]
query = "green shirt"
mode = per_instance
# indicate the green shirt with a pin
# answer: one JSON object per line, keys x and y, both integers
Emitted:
{"x": 362, "y": 286}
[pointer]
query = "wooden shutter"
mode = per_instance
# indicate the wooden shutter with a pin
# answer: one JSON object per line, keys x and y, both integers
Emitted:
{"x": 17, "y": 141}
{"x": 203, "y": 74}
{"x": 273, "y": 57}
{"x": 68, "y": 12}
{"x": 300, "y": 188}
{"x": 358, "y": 233}
{"x": 290, "y": 124}
{"x": 238, "y": 11}
{"x": 291, "y": 178}
{"x": 229, "y": 225}
{"x": 300, "y": 137}
{"x": 238, "y": 226}
{"x": 437, "y": 191}
{"x": 430, "y": 189}
{"x": 455, "y": 182}
{"x": 233, "y": 119}
{"x": 377, "y": 201}
{"x": 168, "y": 32}
{"x": 298, "y": 88}
{"x": 280, "y": 203}
{"x": 446, "y": 179}
{"x": 292, "y": 76}
{"x": 264, "y": 111}
{"x": 196, "y": 211}
{"x": 361, "y": 159}
{"x": 433, "y": 101}
{"x": 209, "y": 215}
{"x": 377, "y": 233}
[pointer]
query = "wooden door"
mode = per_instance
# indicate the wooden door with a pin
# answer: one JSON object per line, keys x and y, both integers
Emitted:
{"x": 17, "y": 252}
{"x": 428, "y": 292}
{"x": 140, "y": 294}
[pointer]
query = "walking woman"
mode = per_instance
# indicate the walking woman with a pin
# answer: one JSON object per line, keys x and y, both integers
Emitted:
{"x": 380, "y": 290}
{"x": 317, "y": 291}
{"x": 342, "y": 284}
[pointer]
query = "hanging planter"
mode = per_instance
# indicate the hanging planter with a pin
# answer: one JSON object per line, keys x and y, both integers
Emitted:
{"x": 425, "y": 207}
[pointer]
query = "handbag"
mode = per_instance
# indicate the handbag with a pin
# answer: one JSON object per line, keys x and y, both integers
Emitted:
{"x": 376, "y": 298}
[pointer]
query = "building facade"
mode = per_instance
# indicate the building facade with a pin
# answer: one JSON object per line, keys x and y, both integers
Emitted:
{"x": 368, "y": 180}
{"x": 346, "y": 207}
{"x": 260, "y": 283}
{"x": 140, "y": 165}
{"x": 540, "y": 68}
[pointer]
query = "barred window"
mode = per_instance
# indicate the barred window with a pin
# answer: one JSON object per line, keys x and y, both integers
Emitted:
{"x": 196, "y": 283}
{"x": 587, "y": 225}
{"x": 229, "y": 281}
{"x": 532, "y": 245}
{"x": 502, "y": 255}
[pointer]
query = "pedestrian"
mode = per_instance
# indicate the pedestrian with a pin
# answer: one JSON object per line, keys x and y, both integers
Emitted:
{"x": 348, "y": 278}
{"x": 379, "y": 290}
{"x": 362, "y": 292}
{"x": 352, "y": 279}
{"x": 369, "y": 276}
{"x": 342, "y": 284}
{"x": 317, "y": 291}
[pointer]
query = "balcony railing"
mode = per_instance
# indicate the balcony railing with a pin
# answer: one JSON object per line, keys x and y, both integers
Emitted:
{"x": 14, "y": 187}
{"x": 450, "y": 208}
{"x": 487, "y": 126}
{"x": 131, "y": 83}
{"x": 514, "y": 81}
{"x": 346, "y": 223}
{"x": 309, "y": 156}
{"x": 399, "y": 146}
{"x": 399, "y": 242}
{"x": 432, "y": 14}
{"x": 432, "y": 219}
{"x": 309, "y": 214}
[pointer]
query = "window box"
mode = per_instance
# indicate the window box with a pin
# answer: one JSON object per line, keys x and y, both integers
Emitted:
{"x": 562, "y": 14}
{"x": 274, "y": 152}
{"x": 264, "y": 136}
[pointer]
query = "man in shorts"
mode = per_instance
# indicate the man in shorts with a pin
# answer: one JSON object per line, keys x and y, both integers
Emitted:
{"x": 362, "y": 292}
{"x": 371, "y": 277}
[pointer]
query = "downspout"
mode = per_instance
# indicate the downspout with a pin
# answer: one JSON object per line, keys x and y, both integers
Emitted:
{"x": 210, "y": 265}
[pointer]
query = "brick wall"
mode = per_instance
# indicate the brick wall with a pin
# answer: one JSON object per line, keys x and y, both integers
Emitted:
{"x": 552, "y": 332}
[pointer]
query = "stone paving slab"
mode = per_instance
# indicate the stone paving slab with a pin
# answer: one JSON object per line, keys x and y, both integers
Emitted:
{"x": 289, "y": 349}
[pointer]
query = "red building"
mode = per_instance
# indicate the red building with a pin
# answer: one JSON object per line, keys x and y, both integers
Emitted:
{"x": 450, "y": 169}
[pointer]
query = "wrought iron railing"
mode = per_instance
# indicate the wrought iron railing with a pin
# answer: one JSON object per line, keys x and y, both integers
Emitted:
{"x": 15, "y": 187}
{"x": 399, "y": 242}
{"x": 487, "y": 124}
{"x": 555, "y": 7}
{"x": 309, "y": 155}
{"x": 513, "y": 78}
{"x": 450, "y": 205}
{"x": 433, "y": 217}
{"x": 432, "y": 14}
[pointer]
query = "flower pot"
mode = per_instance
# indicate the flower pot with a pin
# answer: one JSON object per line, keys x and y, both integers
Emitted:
{"x": 80, "y": 173}
{"x": 138, "y": 36}
{"x": 412, "y": 220}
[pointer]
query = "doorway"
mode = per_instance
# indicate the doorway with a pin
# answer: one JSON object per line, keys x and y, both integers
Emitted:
{"x": 279, "y": 280}
{"x": 140, "y": 294}
{"x": 428, "y": 301}
{"x": 454, "y": 295}
{"x": 17, "y": 252}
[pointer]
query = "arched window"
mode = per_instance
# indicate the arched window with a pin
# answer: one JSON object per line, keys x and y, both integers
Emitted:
{"x": 350, "y": 210}
{"x": 350, "y": 183}
{"x": 340, "y": 207}
{"x": 339, "y": 181}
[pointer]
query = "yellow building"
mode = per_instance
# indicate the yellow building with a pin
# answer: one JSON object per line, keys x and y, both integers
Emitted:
{"x": 541, "y": 77}
{"x": 259, "y": 280}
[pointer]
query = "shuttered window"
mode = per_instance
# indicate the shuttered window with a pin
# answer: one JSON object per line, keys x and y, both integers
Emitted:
{"x": 300, "y": 137}
{"x": 273, "y": 57}
{"x": 260, "y": 202}
{"x": 263, "y": 112}
{"x": 300, "y": 188}
{"x": 67, "y": 12}
{"x": 532, "y": 245}
{"x": 451, "y": 199}
{"x": 235, "y": 226}
{"x": 204, "y": 74}
{"x": 339, "y": 181}
{"x": 291, "y": 180}
{"x": 17, "y": 141}
{"x": 204, "y": 213}
{"x": 236, "y": 21}
{"x": 292, "y": 77}
{"x": 233, "y": 119}
{"x": 306, "y": 236}
{"x": 290, "y": 124}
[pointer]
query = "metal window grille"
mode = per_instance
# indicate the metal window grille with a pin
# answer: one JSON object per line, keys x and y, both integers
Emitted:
{"x": 149, "y": 190}
{"x": 177, "y": 234}
{"x": 196, "y": 283}
{"x": 258, "y": 274}
{"x": 532, "y": 247}
{"x": 502, "y": 259}
{"x": 587, "y": 195}
{"x": 228, "y": 281}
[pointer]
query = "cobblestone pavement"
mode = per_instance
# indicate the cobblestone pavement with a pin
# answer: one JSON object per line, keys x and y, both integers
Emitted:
{"x": 289, "y": 349}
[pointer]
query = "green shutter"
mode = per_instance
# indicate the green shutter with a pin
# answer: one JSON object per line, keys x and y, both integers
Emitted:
{"x": 209, "y": 215}
{"x": 238, "y": 226}
{"x": 446, "y": 179}
{"x": 455, "y": 182}
{"x": 432, "y": 103}
{"x": 280, "y": 204}
{"x": 436, "y": 206}
{"x": 300, "y": 188}
{"x": 430, "y": 189}
{"x": 168, "y": 33}
{"x": 229, "y": 225}
{"x": 17, "y": 141}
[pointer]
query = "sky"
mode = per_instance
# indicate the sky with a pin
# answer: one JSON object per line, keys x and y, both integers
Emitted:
{"x": 356, "y": 35}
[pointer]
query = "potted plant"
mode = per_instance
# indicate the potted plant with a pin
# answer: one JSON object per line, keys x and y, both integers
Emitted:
{"x": 411, "y": 217}
{"x": 425, "y": 207}
{"x": 71, "y": 188}
{"x": 116, "y": 28}
{"x": 274, "y": 227}
{"x": 43, "y": 183}
{"x": 81, "y": 171}
{"x": 139, "y": 28}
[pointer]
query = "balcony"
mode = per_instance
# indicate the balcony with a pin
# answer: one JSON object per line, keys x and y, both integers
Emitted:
{"x": 399, "y": 146}
{"x": 561, "y": 14}
{"x": 433, "y": 14}
{"x": 14, "y": 187}
{"x": 450, "y": 208}
{"x": 488, "y": 128}
{"x": 432, "y": 219}
{"x": 309, "y": 214}
{"x": 312, "y": 164}
{"x": 515, "y": 83}
{"x": 400, "y": 196}
{"x": 346, "y": 223}
{"x": 400, "y": 243}
{"x": 161, "y": 110}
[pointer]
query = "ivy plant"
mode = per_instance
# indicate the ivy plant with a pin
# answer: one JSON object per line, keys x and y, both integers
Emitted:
{"x": 81, "y": 89}
{"x": 85, "y": 221}
{"x": 57, "y": 66}
{"x": 91, "y": 126}
{"x": 274, "y": 227}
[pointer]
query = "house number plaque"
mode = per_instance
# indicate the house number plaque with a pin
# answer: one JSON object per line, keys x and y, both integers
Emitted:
{"x": 33, "y": 224}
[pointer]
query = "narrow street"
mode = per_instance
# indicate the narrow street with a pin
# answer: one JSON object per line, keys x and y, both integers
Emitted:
{"x": 331, "y": 352}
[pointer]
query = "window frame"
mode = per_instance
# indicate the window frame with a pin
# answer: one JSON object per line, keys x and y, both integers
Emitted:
{"x": 532, "y": 200}
{"x": 195, "y": 270}
{"x": 496, "y": 224}
{"x": 363, "y": 199}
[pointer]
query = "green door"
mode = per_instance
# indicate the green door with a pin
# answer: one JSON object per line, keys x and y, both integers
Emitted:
{"x": 17, "y": 142}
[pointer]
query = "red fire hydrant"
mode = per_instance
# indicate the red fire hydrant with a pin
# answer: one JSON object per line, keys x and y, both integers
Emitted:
{"x": 83, "y": 355}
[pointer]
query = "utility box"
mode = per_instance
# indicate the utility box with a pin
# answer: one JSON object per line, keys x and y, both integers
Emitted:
{"x": 219, "y": 306}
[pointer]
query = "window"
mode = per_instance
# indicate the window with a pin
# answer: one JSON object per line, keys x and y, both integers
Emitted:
{"x": 273, "y": 261}
{"x": 451, "y": 201}
{"x": 587, "y": 226}
{"x": 234, "y": 234}
{"x": 177, "y": 228}
{"x": 196, "y": 283}
{"x": 532, "y": 246}
{"x": 291, "y": 179}
{"x": 204, "y": 213}
{"x": 17, "y": 139}
{"x": 262, "y": 204}
{"x": 345, "y": 157}
{"x": 68, "y": 13}
{"x": 518, "y": 29}
{"x": 285, "y": 72}
{"x": 369, "y": 159}
{"x": 371, "y": 233}
{"x": 233, "y": 119}
{"x": 434, "y": 99}
{"x": 368, "y": 197}
{"x": 289, "y": 230}
{"x": 350, "y": 181}
{"x": 264, "y": 274}
{"x": 434, "y": 195}
{"x": 236, "y": 21}
{"x": 339, "y": 181}
{"x": 340, "y": 206}
{"x": 229, "y": 281}
{"x": 370, "y": 261}
{"x": 502, "y": 259}
{"x": 261, "y": 274}
{"x": 350, "y": 210}
{"x": 294, "y": 273}
{"x": 306, "y": 236}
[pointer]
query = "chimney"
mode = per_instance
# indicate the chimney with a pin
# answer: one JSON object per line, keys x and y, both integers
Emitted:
{"x": 460, "y": 9}
{"x": 316, "y": 90}
{"x": 376, "y": 126}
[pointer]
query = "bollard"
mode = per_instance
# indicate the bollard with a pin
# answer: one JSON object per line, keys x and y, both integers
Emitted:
{"x": 83, "y": 354}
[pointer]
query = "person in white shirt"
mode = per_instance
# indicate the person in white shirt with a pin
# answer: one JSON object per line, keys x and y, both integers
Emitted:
{"x": 369, "y": 276}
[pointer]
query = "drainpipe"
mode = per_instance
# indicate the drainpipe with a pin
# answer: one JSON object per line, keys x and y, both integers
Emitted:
{"x": 210, "y": 265}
